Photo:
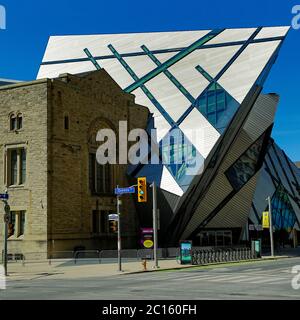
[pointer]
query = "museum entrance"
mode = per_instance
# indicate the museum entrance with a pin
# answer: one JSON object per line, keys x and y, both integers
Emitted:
{"x": 219, "y": 238}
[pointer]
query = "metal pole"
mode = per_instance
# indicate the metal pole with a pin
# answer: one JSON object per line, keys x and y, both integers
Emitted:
{"x": 155, "y": 224}
{"x": 271, "y": 227}
{"x": 119, "y": 233}
{"x": 5, "y": 249}
{"x": 6, "y": 213}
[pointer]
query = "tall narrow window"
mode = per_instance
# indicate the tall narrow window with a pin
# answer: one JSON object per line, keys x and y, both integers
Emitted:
{"x": 104, "y": 221}
{"x": 23, "y": 166}
{"x": 99, "y": 176}
{"x": 12, "y": 229}
{"x": 16, "y": 166}
{"x": 19, "y": 121}
{"x": 13, "y": 167}
{"x": 17, "y": 223}
{"x": 66, "y": 122}
{"x": 96, "y": 221}
{"x": 13, "y": 122}
{"x": 21, "y": 223}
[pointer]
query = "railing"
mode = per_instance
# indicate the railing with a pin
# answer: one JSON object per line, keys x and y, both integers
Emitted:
{"x": 200, "y": 255}
{"x": 205, "y": 256}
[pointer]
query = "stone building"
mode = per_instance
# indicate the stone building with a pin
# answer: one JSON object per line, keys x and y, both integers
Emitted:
{"x": 59, "y": 195}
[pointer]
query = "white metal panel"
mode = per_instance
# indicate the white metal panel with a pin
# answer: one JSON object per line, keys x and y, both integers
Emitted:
{"x": 269, "y": 32}
{"x": 230, "y": 35}
{"x": 167, "y": 94}
{"x": 54, "y": 70}
{"x": 200, "y": 132}
{"x": 168, "y": 183}
{"x": 213, "y": 60}
{"x": 71, "y": 47}
{"x": 141, "y": 65}
{"x": 163, "y": 57}
{"x": 242, "y": 74}
{"x": 184, "y": 71}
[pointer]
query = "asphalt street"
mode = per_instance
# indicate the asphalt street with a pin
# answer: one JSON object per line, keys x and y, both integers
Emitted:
{"x": 254, "y": 280}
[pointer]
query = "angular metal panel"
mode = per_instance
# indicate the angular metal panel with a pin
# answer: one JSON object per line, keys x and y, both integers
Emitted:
{"x": 242, "y": 74}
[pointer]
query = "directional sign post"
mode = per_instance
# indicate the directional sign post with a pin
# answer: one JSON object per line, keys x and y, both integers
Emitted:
{"x": 4, "y": 197}
{"x": 119, "y": 191}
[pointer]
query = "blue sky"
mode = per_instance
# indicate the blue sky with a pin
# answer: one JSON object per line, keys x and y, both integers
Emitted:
{"x": 30, "y": 23}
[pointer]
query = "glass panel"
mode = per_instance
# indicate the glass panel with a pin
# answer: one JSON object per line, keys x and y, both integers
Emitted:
{"x": 13, "y": 123}
{"x": 100, "y": 179}
{"x": 13, "y": 167}
{"x": 23, "y": 166}
{"x": 22, "y": 223}
{"x": 96, "y": 222}
{"x": 20, "y": 122}
{"x": 215, "y": 99}
{"x": 92, "y": 172}
{"x": 104, "y": 217}
{"x": 13, "y": 221}
{"x": 246, "y": 166}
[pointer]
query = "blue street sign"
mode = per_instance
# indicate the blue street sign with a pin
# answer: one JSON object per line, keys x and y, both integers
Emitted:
{"x": 3, "y": 196}
{"x": 113, "y": 217}
{"x": 124, "y": 190}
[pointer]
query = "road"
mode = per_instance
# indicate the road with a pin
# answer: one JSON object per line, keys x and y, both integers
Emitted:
{"x": 254, "y": 280}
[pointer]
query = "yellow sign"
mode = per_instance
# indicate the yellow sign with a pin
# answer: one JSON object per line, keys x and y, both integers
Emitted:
{"x": 148, "y": 243}
{"x": 266, "y": 221}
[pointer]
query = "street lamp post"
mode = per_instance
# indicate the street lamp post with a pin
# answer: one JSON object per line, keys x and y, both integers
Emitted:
{"x": 271, "y": 226}
{"x": 155, "y": 224}
{"x": 119, "y": 233}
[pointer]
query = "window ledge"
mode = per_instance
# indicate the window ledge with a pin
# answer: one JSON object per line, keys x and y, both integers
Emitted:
{"x": 16, "y": 186}
{"x": 15, "y": 238}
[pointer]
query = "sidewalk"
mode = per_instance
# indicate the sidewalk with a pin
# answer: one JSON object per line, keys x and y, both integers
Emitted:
{"x": 69, "y": 270}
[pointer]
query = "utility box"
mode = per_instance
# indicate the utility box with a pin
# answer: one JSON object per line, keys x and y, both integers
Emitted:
{"x": 186, "y": 252}
{"x": 256, "y": 248}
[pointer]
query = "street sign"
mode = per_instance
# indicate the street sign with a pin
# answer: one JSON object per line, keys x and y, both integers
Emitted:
{"x": 148, "y": 244}
{"x": 266, "y": 221}
{"x": 124, "y": 190}
{"x": 147, "y": 238}
{"x": 113, "y": 217}
{"x": 257, "y": 227}
{"x": 4, "y": 196}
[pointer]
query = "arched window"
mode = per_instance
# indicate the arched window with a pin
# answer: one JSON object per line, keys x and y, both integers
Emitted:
{"x": 100, "y": 176}
{"x": 15, "y": 121}
{"x": 12, "y": 122}
{"x": 19, "y": 121}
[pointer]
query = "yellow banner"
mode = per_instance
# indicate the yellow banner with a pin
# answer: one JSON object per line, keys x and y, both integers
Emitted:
{"x": 265, "y": 220}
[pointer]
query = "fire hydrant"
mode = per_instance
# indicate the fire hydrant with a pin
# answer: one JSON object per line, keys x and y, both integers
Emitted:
{"x": 144, "y": 264}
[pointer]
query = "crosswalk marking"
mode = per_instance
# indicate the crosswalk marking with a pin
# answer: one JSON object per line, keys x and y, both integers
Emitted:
{"x": 257, "y": 277}
{"x": 226, "y": 278}
{"x": 273, "y": 279}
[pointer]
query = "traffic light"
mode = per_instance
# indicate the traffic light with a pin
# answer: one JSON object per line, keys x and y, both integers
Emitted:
{"x": 113, "y": 226}
{"x": 142, "y": 189}
{"x": 10, "y": 229}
